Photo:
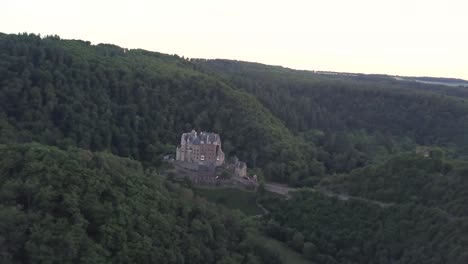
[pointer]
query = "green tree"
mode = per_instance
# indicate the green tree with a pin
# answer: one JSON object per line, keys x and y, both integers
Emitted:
{"x": 297, "y": 241}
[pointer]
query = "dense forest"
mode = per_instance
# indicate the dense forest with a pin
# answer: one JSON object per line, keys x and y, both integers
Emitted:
{"x": 83, "y": 129}
{"x": 134, "y": 104}
{"x": 76, "y": 206}
{"x": 328, "y": 230}
{"x": 333, "y": 103}
{"x": 408, "y": 209}
{"x": 430, "y": 181}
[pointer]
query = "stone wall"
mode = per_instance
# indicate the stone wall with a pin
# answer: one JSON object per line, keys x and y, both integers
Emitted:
{"x": 202, "y": 148}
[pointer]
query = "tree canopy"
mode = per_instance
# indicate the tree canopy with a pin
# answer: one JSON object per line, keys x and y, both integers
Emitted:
{"x": 76, "y": 206}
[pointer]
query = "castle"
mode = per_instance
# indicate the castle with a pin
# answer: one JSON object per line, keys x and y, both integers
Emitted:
{"x": 200, "y": 158}
{"x": 200, "y": 148}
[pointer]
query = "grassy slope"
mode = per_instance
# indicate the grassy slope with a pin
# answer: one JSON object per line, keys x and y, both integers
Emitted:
{"x": 245, "y": 201}
{"x": 232, "y": 198}
{"x": 287, "y": 255}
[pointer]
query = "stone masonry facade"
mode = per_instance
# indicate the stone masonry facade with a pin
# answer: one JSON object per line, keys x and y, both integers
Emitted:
{"x": 200, "y": 148}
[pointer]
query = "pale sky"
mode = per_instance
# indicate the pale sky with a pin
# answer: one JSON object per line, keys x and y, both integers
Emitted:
{"x": 412, "y": 37}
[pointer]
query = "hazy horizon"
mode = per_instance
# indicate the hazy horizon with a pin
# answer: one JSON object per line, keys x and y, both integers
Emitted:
{"x": 421, "y": 38}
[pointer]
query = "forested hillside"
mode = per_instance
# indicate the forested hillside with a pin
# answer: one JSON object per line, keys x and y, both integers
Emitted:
{"x": 135, "y": 104}
{"x": 329, "y": 230}
{"x": 360, "y": 125}
{"x": 76, "y": 206}
{"x": 294, "y": 125}
{"x": 429, "y": 181}
{"x": 83, "y": 129}
{"x": 332, "y": 102}
{"x": 409, "y": 209}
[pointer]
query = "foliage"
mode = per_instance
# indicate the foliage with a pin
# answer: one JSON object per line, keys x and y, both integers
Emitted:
{"x": 76, "y": 206}
{"x": 334, "y": 102}
{"x": 134, "y": 103}
{"x": 296, "y": 126}
{"x": 429, "y": 181}
{"x": 354, "y": 231}
{"x": 346, "y": 131}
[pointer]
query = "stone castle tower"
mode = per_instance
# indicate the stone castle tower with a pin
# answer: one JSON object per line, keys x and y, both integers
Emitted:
{"x": 201, "y": 148}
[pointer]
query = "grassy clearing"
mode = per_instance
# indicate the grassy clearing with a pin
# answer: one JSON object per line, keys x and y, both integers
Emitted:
{"x": 232, "y": 198}
{"x": 287, "y": 255}
{"x": 245, "y": 201}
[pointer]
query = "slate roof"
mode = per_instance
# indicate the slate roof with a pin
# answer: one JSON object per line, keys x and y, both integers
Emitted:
{"x": 197, "y": 138}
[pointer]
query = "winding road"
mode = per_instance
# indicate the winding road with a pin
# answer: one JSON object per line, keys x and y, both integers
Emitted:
{"x": 286, "y": 191}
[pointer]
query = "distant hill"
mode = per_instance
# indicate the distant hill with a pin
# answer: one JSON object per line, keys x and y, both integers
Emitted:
{"x": 427, "y": 80}
{"x": 294, "y": 126}
{"x": 436, "y": 81}
{"x": 306, "y": 100}
{"x": 83, "y": 129}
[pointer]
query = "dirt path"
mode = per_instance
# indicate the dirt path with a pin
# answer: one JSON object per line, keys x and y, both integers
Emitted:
{"x": 279, "y": 188}
{"x": 345, "y": 197}
{"x": 285, "y": 191}
{"x": 265, "y": 211}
